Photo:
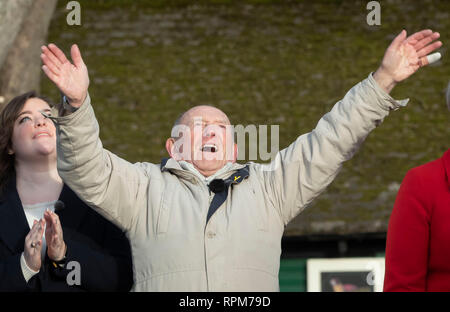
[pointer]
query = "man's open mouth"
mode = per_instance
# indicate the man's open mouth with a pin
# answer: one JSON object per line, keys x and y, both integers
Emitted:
{"x": 209, "y": 148}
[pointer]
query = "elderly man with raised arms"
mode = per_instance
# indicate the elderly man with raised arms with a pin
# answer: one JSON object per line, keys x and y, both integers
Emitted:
{"x": 200, "y": 221}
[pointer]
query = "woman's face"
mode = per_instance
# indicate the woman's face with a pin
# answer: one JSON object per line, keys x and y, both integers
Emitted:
{"x": 34, "y": 135}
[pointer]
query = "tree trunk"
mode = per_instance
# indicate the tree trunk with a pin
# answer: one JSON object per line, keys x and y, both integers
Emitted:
{"x": 21, "y": 69}
{"x": 12, "y": 13}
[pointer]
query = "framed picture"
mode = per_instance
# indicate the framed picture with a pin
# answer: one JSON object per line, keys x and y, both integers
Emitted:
{"x": 345, "y": 275}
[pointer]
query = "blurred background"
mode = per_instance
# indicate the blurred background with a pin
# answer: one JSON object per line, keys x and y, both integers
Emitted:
{"x": 263, "y": 62}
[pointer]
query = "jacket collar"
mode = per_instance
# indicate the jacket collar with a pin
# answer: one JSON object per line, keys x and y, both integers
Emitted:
{"x": 446, "y": 160}
{"x": 13, "y": 223}
{"x": 171, "y": 165}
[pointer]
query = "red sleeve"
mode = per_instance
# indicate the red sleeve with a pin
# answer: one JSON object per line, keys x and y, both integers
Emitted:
{"x": 407, "y": 237}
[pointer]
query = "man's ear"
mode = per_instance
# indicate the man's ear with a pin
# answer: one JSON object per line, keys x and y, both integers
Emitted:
{"x": 170, "y": 142}
{"x": 235, "y": 152}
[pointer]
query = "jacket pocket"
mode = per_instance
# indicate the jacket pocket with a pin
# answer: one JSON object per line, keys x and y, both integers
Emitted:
{"x": 164, "y": 211}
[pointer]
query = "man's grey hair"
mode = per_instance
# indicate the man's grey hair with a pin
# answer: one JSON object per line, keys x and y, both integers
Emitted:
{"x": 178, "y": 120}
{"x": 448, "y": 96}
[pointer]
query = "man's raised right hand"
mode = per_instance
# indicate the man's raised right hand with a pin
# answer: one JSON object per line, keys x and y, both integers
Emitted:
{"x": 71, "y": 79}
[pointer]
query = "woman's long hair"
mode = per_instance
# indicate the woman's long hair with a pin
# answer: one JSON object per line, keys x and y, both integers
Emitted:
{"x": 8, "y": 116}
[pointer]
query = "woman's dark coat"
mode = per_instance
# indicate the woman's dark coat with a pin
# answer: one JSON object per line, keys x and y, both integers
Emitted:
{"x": 101, "y": 249}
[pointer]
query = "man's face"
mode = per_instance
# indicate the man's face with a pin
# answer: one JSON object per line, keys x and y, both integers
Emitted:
{"x": 203, "y": 138}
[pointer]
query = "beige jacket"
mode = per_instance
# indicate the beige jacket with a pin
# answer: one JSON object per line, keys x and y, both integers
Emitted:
{"x": 163, "y": 209}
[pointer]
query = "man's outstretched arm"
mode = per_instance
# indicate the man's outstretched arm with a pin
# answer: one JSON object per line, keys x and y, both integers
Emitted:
{"x": 303, "y": 170}
{"x": 109, "y": 184}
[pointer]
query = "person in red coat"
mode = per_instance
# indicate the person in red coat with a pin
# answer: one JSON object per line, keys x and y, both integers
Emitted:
{"x": 418, "y": 237}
